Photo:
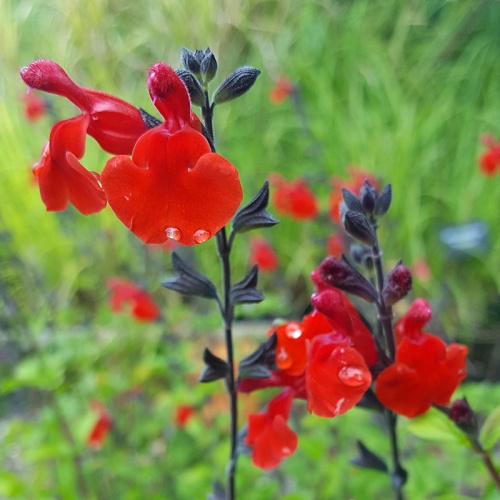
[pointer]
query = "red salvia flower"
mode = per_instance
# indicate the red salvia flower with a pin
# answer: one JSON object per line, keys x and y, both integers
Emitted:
{"x": 294, "y": 198}
{"x": 269, "y": 435}
{"x": 173, "y": 186}
{"x": 425, "y": 372}
{"x": 114, "y": 124}
{"x": 34, "y": 107}
{"x": 336, "y": 377}
{"x": 355, "y": 182}
{"x": 262, "y": 254}
{"x": 282, "y": 89}
{"x": 183, "y": 414}
{"x": 61, "y": 177}
{"x": 125, "y": 293}
{"x": 489, "y": 161}
{"x": 101, "y": 427}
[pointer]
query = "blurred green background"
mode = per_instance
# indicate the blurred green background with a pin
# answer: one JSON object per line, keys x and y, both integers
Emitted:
{"x": 403, "y": 89}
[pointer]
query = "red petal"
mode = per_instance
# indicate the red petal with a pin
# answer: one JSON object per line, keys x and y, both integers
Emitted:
{"x": 402, "y": 390}
{"x": 189, "y": 189}
{"x": 68, "y": 136}
{"x": 336, "y": 377}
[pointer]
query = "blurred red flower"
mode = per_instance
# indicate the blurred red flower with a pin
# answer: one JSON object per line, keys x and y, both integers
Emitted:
{"x": 173, "y": 186}
{"x": 125, "y": 293}
{"x": 425, "y": 372}
{"x": 269, "y": 435}
{"x": 282, "y": 89}
{"x": 262, "y": 254}
{"x": 183, "y": 414}
{"x": 293, "y": 198}
{"x": 114, "y": 124}
{"x": 61, "y": 177}
{"x": 335, "y": 244}
{"x": 355, "y": 182}
{"x": 101, "y": 427}
{"x": 34, "y": 107}
{"x": 489, "y": 161}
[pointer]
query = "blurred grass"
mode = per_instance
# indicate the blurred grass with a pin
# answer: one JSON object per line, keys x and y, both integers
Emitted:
{"x": 403, "y": 89}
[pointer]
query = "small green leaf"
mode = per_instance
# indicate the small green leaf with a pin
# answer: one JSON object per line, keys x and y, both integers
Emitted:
{"x": 435, "y": 426}
{"x": 490, "y": 431}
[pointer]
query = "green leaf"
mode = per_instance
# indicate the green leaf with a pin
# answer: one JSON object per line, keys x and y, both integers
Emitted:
{"x": 435, "y": 426}
{"x": 490, "y": 431}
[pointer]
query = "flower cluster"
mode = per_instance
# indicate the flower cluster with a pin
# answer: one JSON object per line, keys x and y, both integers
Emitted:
{"x": 331, "y": 357}
{"x": 165, "y": 181}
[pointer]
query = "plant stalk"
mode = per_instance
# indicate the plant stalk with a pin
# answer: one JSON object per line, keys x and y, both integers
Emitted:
{"x": 227, "y": 312}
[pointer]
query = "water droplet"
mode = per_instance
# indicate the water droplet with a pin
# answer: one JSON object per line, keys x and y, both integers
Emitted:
{"x": 353, "y": 376}
{"x": 127, "y": 198}
{"x": 293, "y": 331}
{"x": 283, "y": 359}
{"x": 173, "y": 233}
{"x": 201, "y": 236}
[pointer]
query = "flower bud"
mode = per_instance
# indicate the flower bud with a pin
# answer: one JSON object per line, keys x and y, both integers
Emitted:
{"x": 357, "y": 226}
{"x": 236, "y": 84}
{"x": 361, "y": 254}
{"x": 383, "y": 201}
{"x": 463, "y": 415}
{"x": 368, "y": 196}
{"x": 397, "y": 285}
{"x": 190, "y": 60}
{"x": 208, "y": 66}
{"x": 340, "y": 274}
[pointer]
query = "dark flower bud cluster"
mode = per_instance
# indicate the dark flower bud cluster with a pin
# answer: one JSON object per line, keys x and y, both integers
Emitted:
{"x": 201, "y": 63}
{"x": 200, "y": 68}
{"x": 359, "y": 213}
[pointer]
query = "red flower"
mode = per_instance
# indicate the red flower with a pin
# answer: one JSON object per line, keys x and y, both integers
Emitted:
{"x": 354, "y": 184}
{"x": 283, "y": 88}
{"x": 262, "y": 254}
{"x": 174, "y": 186}
{"x": 101, "y": 427}
{"x": 127, "y": 293}
{"x": 294, "y": 198}
{"x": 268, "y": 433}
{"x": 34, "y": 106}
{"x": 489, "y": 161}
{"x": 61, "y": 177}
{"x": 183, "y": 414}
{"x": 425, "y": 371}
{"x": 336, "y": 377}
{"x": 114, "y": 124}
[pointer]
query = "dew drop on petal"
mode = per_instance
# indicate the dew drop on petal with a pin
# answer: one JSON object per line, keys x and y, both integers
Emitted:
{"x": 201, "y": 236}
{"x": 173, "y": 233}
{"x": 352, "y": 376}
{"x": 293, "y": 331}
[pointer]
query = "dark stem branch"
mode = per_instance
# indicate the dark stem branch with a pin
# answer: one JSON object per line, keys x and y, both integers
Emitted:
{"x": 398, "y": 474}
{"x": 384, "y": 323}
{"x": 227, "y": 313}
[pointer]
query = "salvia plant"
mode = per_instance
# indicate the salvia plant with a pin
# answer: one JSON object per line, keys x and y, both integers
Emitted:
{"x": 165, "y": 181}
